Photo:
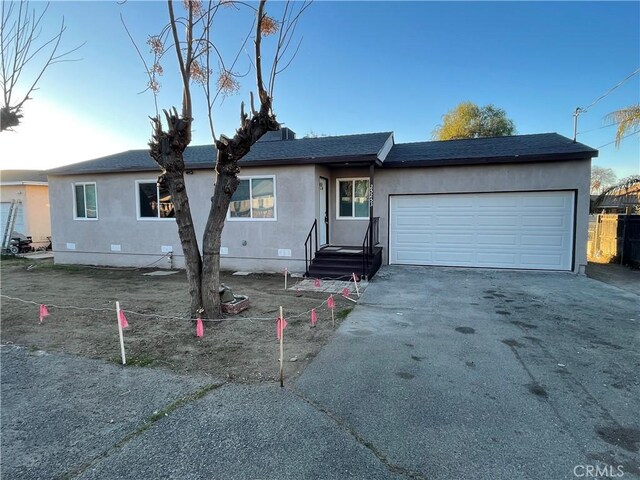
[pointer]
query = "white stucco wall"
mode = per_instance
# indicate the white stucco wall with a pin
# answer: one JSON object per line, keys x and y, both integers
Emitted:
{"x": 568, "y": 175}
{"x": 141, "y": 241}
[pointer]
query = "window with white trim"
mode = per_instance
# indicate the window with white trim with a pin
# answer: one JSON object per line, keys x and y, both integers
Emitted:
{"x": 254, "y": 199}
{"x": 85, "y": 201}
{"x": 154, "y": 201}
{"x": 353, "y": 198}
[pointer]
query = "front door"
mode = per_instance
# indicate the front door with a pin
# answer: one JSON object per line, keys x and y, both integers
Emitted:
{"x": 323, "y": 214}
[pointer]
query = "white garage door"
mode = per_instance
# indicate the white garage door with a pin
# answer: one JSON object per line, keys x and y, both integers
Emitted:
{"x": 528, "y": 230}
{"x": 4, "y": 217}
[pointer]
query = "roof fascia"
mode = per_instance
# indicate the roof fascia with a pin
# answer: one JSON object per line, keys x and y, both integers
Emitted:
{"x": 8, "y": 184}
{"x": 491, "y": 160}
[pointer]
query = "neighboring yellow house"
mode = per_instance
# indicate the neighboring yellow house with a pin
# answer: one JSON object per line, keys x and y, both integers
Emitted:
{"x": 30, "y": 192}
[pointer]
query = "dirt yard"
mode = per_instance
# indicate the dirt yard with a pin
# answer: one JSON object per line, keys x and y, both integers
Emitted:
{"x": 239, "y": 348}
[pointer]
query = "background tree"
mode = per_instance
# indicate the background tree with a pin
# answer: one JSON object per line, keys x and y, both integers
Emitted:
{"x": 468, "y": 120}
{"x": 21, "y": 49}
{"x": 628, "y": 120}
{"x": 189, "y": 37}
{"x": 601, "y": 179}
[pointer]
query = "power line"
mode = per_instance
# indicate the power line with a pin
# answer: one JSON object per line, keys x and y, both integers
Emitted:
{"x": 599, "y": 128}
{"x": 580, "y": 110}
{"x": 583, "y": 110}
{"x": 614, "y": 141}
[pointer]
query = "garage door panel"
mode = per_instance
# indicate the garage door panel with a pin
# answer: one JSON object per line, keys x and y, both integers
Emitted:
{"x": 544, "y": 221}
{"x": 414, "y": 255}
{"x": 454, "y": 239}
{"x": 488, "y": 201}
{"x": 504, "y": 260}
{"x": 5, "y": 207}
{"x": 415, "y": 238}
{"x": 415, "y": 220}
{"x": 447, "y": 257}
{"x": 538, "y": 260}
{"x": 533, "y": 240}
{"x": 455, "y": 220}
{"x": 505, "y": 230}
{"x": 496, "y": 220}
{"x": 497, "y": 239}
{"x": 544, "y": 201}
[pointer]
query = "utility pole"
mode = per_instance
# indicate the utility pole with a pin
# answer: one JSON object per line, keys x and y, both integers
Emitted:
{"x": 575, "y": 123}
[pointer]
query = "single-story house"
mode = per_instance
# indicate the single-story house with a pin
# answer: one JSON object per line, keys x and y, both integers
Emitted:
{"x": 519, "y": 202}
{"x": 24, "y": 205}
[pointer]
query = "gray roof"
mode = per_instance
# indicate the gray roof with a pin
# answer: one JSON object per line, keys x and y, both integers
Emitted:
{"x": 22, "y": 176}
{"x": 360, "y": 148}
{"x": 517, "y": 148}
{"x": 363, "y": 147}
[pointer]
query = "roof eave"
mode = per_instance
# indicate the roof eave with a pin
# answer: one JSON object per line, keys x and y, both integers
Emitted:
{"x": 342, "y": 160}
{"x": 26, "y": 182}
{"x": 491, "y": 160}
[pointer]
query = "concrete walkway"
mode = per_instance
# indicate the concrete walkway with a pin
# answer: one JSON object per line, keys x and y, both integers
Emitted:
{"x": 437, "y": 373}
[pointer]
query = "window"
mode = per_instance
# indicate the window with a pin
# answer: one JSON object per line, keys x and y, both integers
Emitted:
{"x": 86, "y": 201}
{"x": 154, "y": 201}
{"x": 353, "y": 198}
{"x": 254, "y": 199}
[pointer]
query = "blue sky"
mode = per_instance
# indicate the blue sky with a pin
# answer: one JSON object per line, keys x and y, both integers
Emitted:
{"x": 362, "y": 67}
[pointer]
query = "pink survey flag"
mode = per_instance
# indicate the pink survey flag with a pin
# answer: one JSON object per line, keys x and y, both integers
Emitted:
{"x": 123, "y": 319}
{"x": 316, "y": 282}
{"x": 199, "y": 328}
{"x": 330, "y": 302}
{"x": 281, "y": 324}
{"x": 43, "y": 312}
{"x": 314, "y": 317}
{"x": 345, "y": 292}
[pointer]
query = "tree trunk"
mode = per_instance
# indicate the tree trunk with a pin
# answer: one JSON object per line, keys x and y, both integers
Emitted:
{"x": 226, "y": 184}
{"x": 167, "y": 149}
{"x": 174, "y": 181}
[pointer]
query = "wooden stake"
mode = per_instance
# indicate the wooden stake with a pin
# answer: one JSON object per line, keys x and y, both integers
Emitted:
{"x": 281, "y": 328}
{"x": 286, "y": 274}
{"x": 355, "y": 282}
{"x": 333, "y": 320}
{"x": 124, "y": 359}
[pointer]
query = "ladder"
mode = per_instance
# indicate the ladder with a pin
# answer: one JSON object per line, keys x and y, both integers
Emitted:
{"x": 11, "y": 223}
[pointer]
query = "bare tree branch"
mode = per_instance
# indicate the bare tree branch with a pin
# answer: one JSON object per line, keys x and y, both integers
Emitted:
{"x": 146, "y": 67}
{"x": 18, "y": 36}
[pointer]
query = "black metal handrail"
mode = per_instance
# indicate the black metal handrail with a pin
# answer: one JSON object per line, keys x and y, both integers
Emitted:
{"x": 371, "y": 239}
{"x": 309, "y": 251}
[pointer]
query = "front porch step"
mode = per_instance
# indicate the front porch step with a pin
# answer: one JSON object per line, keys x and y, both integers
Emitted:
{"x": 341, "y": 262}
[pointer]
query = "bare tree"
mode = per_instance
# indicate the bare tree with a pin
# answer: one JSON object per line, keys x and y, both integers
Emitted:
{"x": 601, "y": 178}
{"x": 20, "y": 48}
{"x": 190, "y": 39}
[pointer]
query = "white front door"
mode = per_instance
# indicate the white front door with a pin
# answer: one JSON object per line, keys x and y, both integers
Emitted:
{"x": 530, "y": 230}
{"x": 323, "y": 218}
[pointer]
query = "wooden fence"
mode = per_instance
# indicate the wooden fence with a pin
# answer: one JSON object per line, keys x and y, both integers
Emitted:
{"x": 614, "y": 238}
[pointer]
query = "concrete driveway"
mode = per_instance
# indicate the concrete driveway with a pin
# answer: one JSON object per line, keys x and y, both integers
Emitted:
{"x": 437, "y": 373}
{"x": 463, "y": 373}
